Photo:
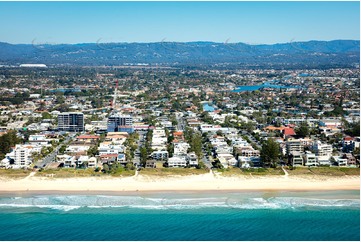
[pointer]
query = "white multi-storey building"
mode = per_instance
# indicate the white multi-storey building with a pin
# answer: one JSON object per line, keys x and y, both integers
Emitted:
{"x": 322, "y": 149}
{"x": 21, "y": 157}
{"x": 181, "y": 148}
{"x": 192, "y": 159}
{"x": 310, "y": 159}
{"x": 297, "y": 159}
{"x": 294, "y": 146}
{"x": 177, "y": 162}
{"x": 160, "y": 155}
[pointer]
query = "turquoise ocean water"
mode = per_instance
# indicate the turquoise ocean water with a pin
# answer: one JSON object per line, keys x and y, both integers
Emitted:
{"x": 182, "y": 216}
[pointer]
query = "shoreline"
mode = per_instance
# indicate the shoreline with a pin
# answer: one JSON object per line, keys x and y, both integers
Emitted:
{"x": 194, "y": 183}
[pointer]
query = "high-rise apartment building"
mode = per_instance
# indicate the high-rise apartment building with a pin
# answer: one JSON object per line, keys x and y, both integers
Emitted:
{"x": 71, "y": 122}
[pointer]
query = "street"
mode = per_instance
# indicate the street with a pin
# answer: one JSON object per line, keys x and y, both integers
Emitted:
{"x": 181, "y": 123}
{"x": 52, "y": 156}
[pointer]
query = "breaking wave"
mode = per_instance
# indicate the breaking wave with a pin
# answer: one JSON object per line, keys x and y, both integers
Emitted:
{"x": 68, "y": 203}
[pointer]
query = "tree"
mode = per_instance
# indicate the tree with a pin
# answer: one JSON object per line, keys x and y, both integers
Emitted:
{"x": 93, "y": 151}
{"x": 196, "y": 145}
{"x": 128, "y": 155}
{"x": 46, "y": 115}
{"x": 170, "y": 149}
{"x": 217, "y": 164}
{"x": 106, "y": 168}
{"x": 62, "y": 149}
{"x": 201, "y": 165}
{"x": 129, "y": 166}
{"x": 356, "y": 152}
{"x": 354, "y": 129}
{"x": 143, "y": 155}
{"x": 219, "y": 133}
{"x": 269, "y": 153}
{"x": 7, "y": 141}
{"x": 303, "y": 130}
{"x": 63, "y": 108}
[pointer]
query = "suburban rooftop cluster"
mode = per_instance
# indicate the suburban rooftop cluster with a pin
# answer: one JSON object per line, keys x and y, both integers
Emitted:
{"x": 134, "y": 118}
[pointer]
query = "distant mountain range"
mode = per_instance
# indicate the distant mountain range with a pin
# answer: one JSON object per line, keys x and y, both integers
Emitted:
{"x": 307, "y": 54}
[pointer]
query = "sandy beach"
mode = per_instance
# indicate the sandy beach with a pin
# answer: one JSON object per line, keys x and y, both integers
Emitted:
{"x": 204, "y": 182}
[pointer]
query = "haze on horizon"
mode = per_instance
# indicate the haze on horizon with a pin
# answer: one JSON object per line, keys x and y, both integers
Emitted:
{"x": 247, "y": 22}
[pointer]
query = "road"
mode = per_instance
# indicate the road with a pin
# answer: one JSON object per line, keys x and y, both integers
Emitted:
{"x": 52, "y": 156}
{"x": 253, "y": 140}
{"x": 181, "y": 123}
{"x": 141, "y": 142}
{"x": 207, "y": 160}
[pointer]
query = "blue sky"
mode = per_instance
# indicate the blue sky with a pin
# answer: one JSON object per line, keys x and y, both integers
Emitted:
{"x": 248, "y": 22}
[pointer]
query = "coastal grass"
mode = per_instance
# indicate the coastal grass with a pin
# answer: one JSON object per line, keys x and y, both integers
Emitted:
{"x": 233, "y": 171}
{"x": 14, "y": 173}
{"x": 172, "y": 171}
{"x": 74, "y": 173}
{"x": 324, "y": 171}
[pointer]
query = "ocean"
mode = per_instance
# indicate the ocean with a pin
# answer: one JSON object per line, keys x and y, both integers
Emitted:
{"x": 194, "y": 216}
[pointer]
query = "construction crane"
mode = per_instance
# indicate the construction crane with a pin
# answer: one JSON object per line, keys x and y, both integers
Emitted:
{"x": 113, "y": 104}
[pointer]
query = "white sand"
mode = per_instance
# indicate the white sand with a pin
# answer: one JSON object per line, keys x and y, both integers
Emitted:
{"x": 204, "y": 182}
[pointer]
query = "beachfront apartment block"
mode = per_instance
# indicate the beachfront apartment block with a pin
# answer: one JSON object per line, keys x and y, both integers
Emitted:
{"x": 247, "y": 151}
{"x": 192, "y": 159}
{"x": 294, "y": 146}
{"x": 159, "y": 139}
{"x": 87, "y": 161}
{"x": 310, "y": 159}
{"x": 227, "y": 160}
{"x": 71, "y": 122}
{"x": 296, "y": 158}
{"x": 339, "y": 161}
{"x": 247, "y": 162}
{"x": 177, "y": 161}
{"x": 21, "y": 157}
{"x": 320, "y": 149}
{"x": 160, "y": 155}
{"x": 68, "y": 160}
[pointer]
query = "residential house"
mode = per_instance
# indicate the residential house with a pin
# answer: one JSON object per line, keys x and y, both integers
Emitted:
{"x": 88, "y": 139}
{"x": 348, "y": 144}
{"x": 192, "y": 159}
{"x": 160, "y": 155}
{"x": 310, "y": 159}
{"x": 339, "y": 161}
{"x": 351, "y": 160}
{"x": 296, "y": 158}
{"x": 177, "y": 161}
{"x": 67, "y": 160}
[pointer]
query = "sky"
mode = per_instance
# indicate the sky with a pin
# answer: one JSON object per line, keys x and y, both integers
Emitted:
{"x": 247, "y": 22}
